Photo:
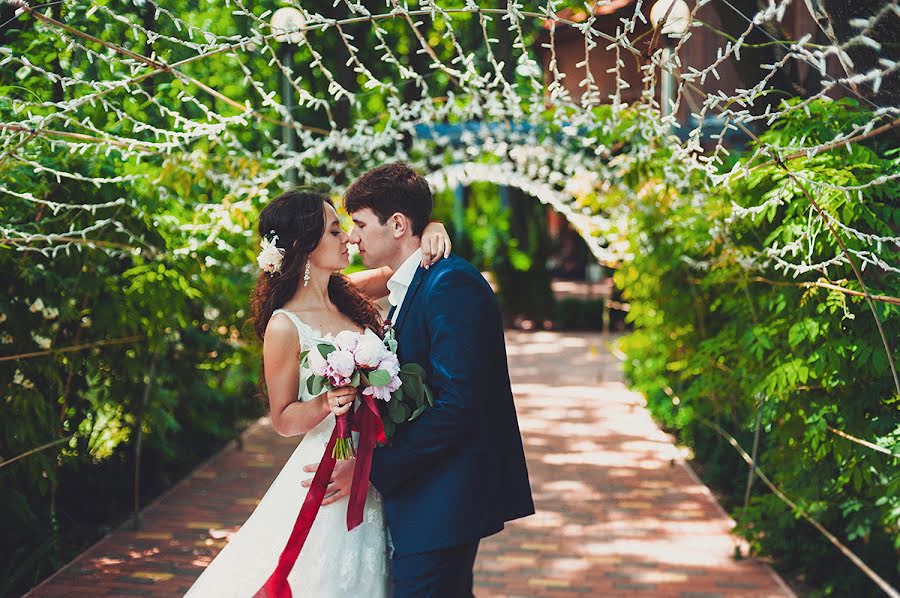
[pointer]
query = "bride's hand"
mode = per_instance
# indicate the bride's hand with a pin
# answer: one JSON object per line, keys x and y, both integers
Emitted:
{"x": 435, "y": 244}
{"x": 340, "y": 400}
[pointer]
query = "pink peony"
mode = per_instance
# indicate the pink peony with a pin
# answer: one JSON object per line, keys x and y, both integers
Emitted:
{"x": 383, "y": 392}
{"x": 341, "y": 363}
{"x": 390, "y": 364}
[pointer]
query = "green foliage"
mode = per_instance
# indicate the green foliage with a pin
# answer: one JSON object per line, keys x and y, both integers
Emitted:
{"x": 724, "y": 340}
{"x": 503, "y": 231}
{"x": 157, "y": 311}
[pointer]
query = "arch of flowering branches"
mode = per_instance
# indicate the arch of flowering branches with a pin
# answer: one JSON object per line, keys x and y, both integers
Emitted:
{"x": 562, "y": 139}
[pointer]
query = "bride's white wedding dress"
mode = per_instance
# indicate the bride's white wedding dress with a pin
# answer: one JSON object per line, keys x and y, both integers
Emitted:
{"x": 333, "y": 562}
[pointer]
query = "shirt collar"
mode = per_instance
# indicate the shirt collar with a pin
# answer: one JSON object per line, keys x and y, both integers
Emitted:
{"x": 402, "y": 278}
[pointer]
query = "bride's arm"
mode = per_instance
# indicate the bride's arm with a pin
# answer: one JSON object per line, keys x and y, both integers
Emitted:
{"x": 435, "y": 245}
{"x": 372, "y": 282}
{"x": 281, "y": 356}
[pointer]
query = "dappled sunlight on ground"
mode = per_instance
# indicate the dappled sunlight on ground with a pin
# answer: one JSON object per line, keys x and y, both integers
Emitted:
{"x": 618, "y": 512}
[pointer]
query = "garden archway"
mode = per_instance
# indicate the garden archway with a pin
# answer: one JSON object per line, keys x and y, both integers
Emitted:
{"x": 140, "y": 140}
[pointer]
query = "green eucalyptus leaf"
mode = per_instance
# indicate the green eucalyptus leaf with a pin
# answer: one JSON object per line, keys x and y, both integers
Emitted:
{"x": 379, "y": 378}
{"x": 413, "y": 387}
{"x": 419, "y": 411}
{"x": 413, "y": 369}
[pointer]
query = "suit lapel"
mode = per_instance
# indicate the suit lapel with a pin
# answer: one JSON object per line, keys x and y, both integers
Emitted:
{"x": 410, "y": 295}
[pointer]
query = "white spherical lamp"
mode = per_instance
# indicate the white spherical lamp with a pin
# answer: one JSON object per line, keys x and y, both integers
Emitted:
{"x": 286, "y": 24}
{"x": 674, "y": 15}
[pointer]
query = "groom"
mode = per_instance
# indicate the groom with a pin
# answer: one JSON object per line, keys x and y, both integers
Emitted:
{"x": 457, "y": 473}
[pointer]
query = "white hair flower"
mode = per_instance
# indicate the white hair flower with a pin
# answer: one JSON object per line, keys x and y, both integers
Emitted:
{"x": 271, "y": 257}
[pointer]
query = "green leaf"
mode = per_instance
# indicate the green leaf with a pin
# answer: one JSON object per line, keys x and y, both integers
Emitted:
{"x": 379, "y": 378}
{"x": 413, "y": 369}
{"x": 418, "y": 412}
{"x": 355, "y": 379}
{"x": 317, "y": 385}
{"x": 429, "y": 396}
{"x": 413, "y": 387}
{"x": 325, "y": 349}
{"x": 398, "y": 411}
{"x": 397, "y": 395}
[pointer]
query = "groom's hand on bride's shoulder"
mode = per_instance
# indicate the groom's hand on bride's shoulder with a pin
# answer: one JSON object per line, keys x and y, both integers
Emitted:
{"x": 340, "y": 483}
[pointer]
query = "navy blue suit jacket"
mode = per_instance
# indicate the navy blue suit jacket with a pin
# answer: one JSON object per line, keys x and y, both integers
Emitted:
{"x": 458, "y": 472}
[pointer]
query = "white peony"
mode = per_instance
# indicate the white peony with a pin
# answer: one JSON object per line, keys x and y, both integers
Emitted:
{"x": 370, "y": 350}
{"x": 347, "y": 340}
{"x": 2, "y": 318}
{"x": 37, "y": 306}
{"x": 50, "y": 313}
{"x": 342, "y": 363}
{"x": 6, "y": 339}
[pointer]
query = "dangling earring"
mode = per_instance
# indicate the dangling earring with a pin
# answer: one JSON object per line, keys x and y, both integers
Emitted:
{"x": 306, "y": 274}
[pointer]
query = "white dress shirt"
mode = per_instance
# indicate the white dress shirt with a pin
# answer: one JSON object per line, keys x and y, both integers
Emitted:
{"x": 399, "y": 283}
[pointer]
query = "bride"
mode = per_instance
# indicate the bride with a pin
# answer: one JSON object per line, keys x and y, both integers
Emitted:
{"x": 298, "y": 298}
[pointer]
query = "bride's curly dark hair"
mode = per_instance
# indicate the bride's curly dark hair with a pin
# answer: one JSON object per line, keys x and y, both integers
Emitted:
{"x": 298, "y": 219}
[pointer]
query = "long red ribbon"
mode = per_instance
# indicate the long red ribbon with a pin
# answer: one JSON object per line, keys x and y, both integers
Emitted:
{"x": 277, "y": 585}
{"x": 368, "y": 422}
{"x": 371, "y": 429}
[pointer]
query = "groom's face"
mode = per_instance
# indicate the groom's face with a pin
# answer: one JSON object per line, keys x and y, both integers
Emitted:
{"x": 375, "y": 240}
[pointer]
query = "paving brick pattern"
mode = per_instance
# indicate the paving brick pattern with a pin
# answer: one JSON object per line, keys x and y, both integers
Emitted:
{"x": 619, "y": 514}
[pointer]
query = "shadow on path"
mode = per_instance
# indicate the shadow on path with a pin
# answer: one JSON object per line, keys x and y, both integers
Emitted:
{"x": 619, "y": 513}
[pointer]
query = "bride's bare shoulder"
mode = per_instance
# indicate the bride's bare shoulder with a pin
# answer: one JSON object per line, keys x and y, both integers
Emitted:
{"x": 280, "y": 330}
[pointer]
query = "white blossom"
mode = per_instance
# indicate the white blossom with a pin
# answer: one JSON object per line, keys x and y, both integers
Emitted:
{"x": 42, "y": 341}
{"x": 20, "y": 379}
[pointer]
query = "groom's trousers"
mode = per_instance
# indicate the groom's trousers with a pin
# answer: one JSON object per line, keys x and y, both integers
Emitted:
{"x": 445, "y": 573}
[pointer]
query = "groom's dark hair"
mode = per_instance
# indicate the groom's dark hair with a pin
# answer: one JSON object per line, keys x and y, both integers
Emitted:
{"x": 391, "y": 188}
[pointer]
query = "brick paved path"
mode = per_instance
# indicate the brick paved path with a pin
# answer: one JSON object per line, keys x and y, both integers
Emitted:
{"x": 619, "y": 514}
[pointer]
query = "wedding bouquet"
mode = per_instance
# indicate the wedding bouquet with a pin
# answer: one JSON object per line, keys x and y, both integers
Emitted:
{"x": 367, "y": 362}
